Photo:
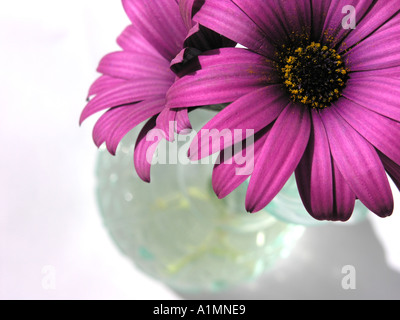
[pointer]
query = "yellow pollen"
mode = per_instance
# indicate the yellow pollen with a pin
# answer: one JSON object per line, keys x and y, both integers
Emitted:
{"x": 313, "y": 74}
{"x": 305, "y": 100}
{"x": 290, "y": 59}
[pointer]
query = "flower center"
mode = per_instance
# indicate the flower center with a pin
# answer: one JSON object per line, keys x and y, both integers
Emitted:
{"x": 314, "y": 75}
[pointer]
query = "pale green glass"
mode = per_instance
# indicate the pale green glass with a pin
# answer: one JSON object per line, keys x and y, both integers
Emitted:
{"x": 177, "y": 231}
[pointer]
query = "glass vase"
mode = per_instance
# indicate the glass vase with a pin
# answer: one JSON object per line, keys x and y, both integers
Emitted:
{"x": 176, "y": 230}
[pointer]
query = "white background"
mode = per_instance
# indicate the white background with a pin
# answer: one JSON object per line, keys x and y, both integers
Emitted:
{"x": 49, "y": 52}
{"x": 49, "y": 223}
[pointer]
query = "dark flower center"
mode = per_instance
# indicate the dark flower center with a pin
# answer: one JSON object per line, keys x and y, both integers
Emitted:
{"x": 314, "y": 75}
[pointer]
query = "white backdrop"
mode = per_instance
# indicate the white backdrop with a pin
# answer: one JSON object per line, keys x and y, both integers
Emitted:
{"x": 49, "y": 224}
{"x": 52, "y": 241}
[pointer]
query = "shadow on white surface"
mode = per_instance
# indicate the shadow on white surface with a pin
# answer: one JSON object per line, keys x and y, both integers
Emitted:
{"x": 315, "y": 269}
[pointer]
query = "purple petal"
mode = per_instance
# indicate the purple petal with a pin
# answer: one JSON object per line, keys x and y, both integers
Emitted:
{"x": 376, "y": 16}
{"x": 279, "y": 157}
{"x": 172, "y": 121}
{"x": 132, "y": 40}
{"x": 200, "y": 37}
{"x": 186, "y": 10}
{"x": 320, "y": 9}
{"x": 376, "y": 93}
{"x": 116, "y": 123}
{"x": 324, "y": 192}
{"x": 105, "y": 83}
{"x": 314, "y": 173}
{"x": 333, "y": 31}
{"x": 276, "y": 18}
{"x": 228, "y": 174}
{"x": 344, "y": 197}
{"x": 160, "y": 22}
{"x": 359, "y": 163}
{"x": 204, "y": 39}
{"x": 128, "y": 93}
{"x": 182, "y": 121}
{"x": 180, "y": 64}
{"x": 135, "y": 66}
{"x": 146, "y": 145}
{"x": 382, "y": 132}
{"x": 392, "y": 168}
{"x": 261, "y": 108}
{"x": 380, "y": 50}
{"x": 166, "y": 123}
{"x": 227, "y": 19}
{"x": 393, "y": 72}
{"x": 226, "y": 74}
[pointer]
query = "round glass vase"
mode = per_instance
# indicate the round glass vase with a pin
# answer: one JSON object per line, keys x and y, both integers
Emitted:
{"x": 176, "y": 230}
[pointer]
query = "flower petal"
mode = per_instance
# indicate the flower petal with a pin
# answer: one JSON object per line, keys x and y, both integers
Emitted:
{"x": 392, "y": 168}
{"x": 145, "y": 147}
{"x": 333, "y": 31}
{"x": 251, "y": 112}
{"x": 127, "y": 93}
{"x": 135, "y": 66}
{"x": 319, "y": 9}
{"x": 278, "y": 19}
{"x": 117, "y": 122}
{"x": 379, "y": 94}
{"x": 382, "y": 132}
{"x": 393, "y": 72}
{"x": 314, "y": 173}
{"x": 183, "y": 121}
{"x": 279, "y": 157}
{"x": 160, "y": 22}
{"x": 132, "y": 40}
{"x": 344, "y": 197}
{"x": 324, "y": 192}
{"x": 173, "y": 121}
{"x": 226, "y": 75}
{"x": 186, "y": 10}
{"x": 229, "y": 173}
{"x": 180, "y": 64}
{"x": 199, "y": 39}
{"x": 380, "y": 50}
{"x": 204, "y": 39}
{"x": 227, "y": 19}
{"x": 103, "y": 84}
{"x": 359, "y": 163}
{"x": 379, "y": 13}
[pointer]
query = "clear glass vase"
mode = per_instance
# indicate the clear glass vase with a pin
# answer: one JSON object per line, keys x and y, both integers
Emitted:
{"x": 176, "y": 230}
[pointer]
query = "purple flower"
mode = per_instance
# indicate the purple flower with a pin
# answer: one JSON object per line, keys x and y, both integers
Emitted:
{"x": 323, "y": 99}
{"x": 132, "y": 88}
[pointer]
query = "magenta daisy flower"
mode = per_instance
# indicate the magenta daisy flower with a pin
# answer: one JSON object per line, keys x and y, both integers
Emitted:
{"x": 135, "y": 80}
{"x": 322, "y": 97}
